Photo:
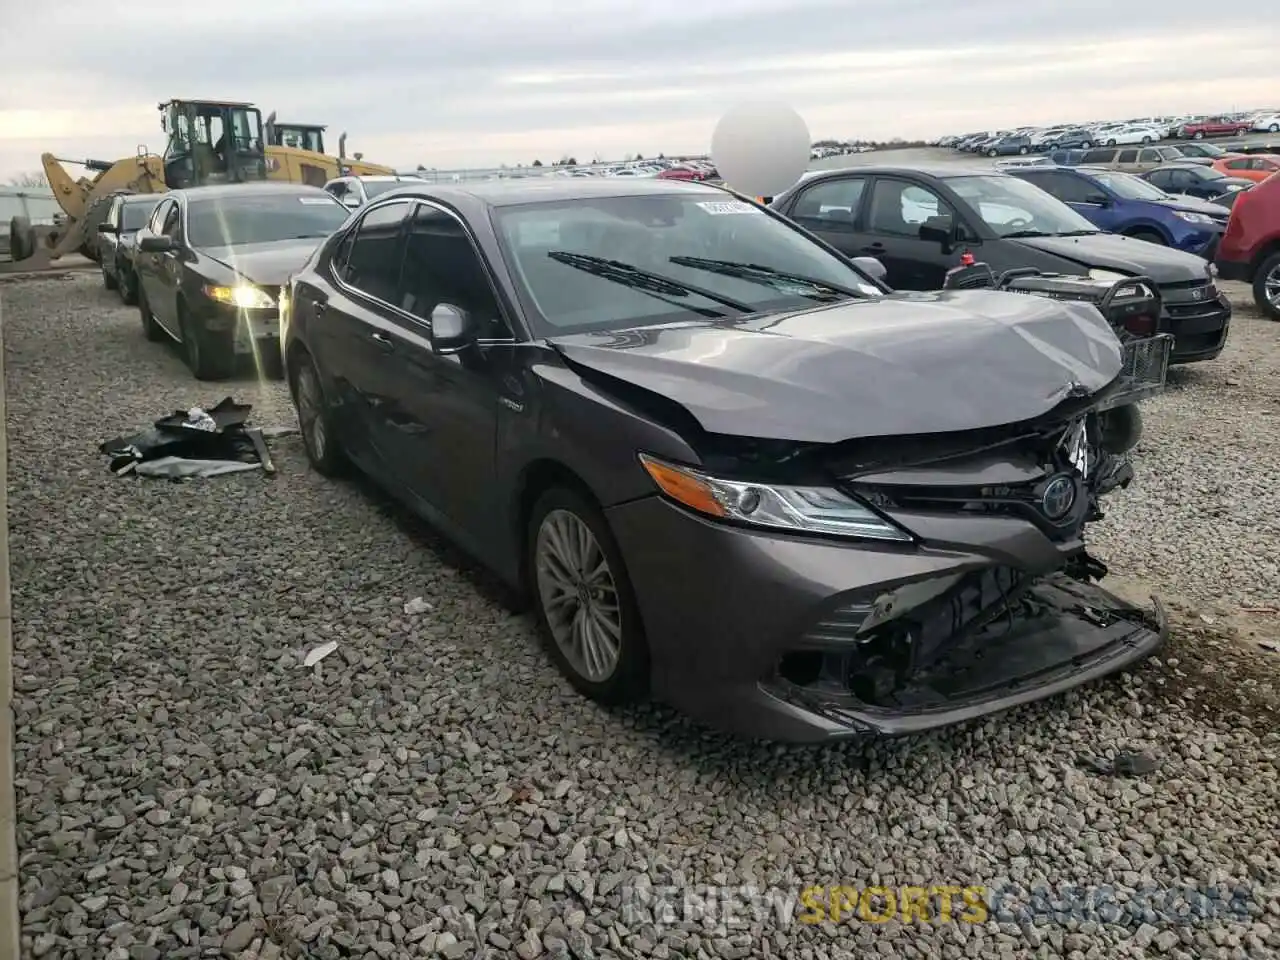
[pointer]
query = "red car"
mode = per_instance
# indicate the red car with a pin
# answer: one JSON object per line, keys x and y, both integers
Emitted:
{"x": 1214, "y": 127}
{"x": 1250, "y": 249}
{"x": 682, "y": 173}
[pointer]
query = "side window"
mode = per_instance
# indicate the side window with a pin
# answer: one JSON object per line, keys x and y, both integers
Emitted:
{"x": 1127, "y": 156}
{"x": 1148, "y": 156}
{"x": 338, "y": 188}
{"x": 1241, "y": 164}
{"x": 1075, "y": 189}
{"x": 1160, "y": 178}
{"x": 1104, "y": 155}
{"x": 1182, "y": 179}
{"x": 442, "y": 266}
{"x": 155, "y": 224}
{"x": 899, "y": 209}
{"x": 832, "y": 205}
{"x": 172, "y": 226}
{"x": 373, "y": 265}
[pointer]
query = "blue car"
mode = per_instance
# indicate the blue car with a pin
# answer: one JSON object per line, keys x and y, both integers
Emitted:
{"x": 1122, "y": 203}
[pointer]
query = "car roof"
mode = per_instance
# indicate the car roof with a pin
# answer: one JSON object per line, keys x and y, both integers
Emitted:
{"x": 939, "y": 171}
{"x": 141, "y": 198}
{"x": 256, "y": 189}
{"x": 502, "y": 193}
{"x": 382, "y": 177}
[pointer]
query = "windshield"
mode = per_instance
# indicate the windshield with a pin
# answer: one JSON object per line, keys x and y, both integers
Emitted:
{"x": 1208, "y": 173}
{"x": 134, "y": 215}
{"x": 1210, "y": 150}
{"x": 1013, "y": 207}
{"x": 267, "y": 217}
{"x": 698, "y": 254}
{"x": 1128, "y": 186}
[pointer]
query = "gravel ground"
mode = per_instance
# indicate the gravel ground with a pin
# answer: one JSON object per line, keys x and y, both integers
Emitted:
{"x": 187, "y": 788}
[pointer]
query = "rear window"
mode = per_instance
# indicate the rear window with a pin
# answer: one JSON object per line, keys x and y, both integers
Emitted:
{"x": 134, "y": 214}
{"x": 264, "y": 218}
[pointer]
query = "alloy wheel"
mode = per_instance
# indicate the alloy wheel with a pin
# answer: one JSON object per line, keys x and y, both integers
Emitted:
{"x": 1271, "y": 286}
{"x": 579, "y": 595}
{"x": 310, "y": 413}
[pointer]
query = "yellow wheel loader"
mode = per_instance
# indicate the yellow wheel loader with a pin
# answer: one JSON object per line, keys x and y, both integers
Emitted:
{"x": 295, "y": 152}
{"x": 209, "y": 141}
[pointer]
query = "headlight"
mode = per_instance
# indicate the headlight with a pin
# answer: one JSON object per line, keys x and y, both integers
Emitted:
{"x": 1107, "y": 276}
{"x": 797, "y": 509}
{"x": 241, "y": 295}
{"x": 1192, "y": 217}
{"x": 1212, "y": 270}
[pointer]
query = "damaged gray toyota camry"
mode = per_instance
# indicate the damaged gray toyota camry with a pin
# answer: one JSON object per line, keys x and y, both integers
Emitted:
{"x": 728, "y": 468}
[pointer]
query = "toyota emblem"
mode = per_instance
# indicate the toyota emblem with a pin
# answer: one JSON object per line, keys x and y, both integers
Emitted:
{"x": 1058, "y": 497}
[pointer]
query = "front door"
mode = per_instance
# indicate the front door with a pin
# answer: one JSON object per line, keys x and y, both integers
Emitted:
{"x": 446, "y": 412}
{"x": 895, "y": 214}
{"x": 831, "y": 209}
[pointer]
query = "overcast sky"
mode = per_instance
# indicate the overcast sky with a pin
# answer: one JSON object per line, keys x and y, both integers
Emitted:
{"x": 449, "y": 85}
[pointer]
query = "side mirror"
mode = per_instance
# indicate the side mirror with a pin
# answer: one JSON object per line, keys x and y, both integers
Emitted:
{"x": 871, "y": 267}
{"x": 1101, "y": 199}
{"x": 350, "y": 201}
{"x": 155, "y": 244}
{"x": 451, "y": 328}
{"x": 105, "y": 227}
{"x": 939, "y": 230}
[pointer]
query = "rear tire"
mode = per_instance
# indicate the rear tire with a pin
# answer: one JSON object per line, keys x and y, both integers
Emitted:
{"x": 1274, "y": 128}
{"x": 1270, "y": 267}
{"x": 150, "y": 329}
{"x": 608, "y": 594}
{"x": 1023, "y": 151}
{"x": 1199, "y": 135}
{"x": 210, "y": 355}
{"x": 319, "y": 438}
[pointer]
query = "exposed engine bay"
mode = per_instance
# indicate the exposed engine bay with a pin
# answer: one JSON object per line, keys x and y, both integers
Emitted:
{"x": 972, "y": 632}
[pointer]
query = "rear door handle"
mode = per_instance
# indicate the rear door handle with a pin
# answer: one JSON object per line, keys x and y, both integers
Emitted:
{"x": 382, "y": 340}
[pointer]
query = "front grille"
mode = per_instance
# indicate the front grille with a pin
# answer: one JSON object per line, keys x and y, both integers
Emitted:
{"x": 1024, "y": 501}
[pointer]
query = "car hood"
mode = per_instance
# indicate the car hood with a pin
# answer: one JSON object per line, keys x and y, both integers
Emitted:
{"x": 268, "y": 264}
{"x": 908, "y": 363}
{"x": 1108, "y": 251}
{"x": 1195, "y": 205}
{"x": 1226, "y": 183}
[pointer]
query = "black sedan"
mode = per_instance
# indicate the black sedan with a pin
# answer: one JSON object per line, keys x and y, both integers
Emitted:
{"x": 725, "y": 464}
{"x": 211, "y": 261}
{"x": 1195, "y": 181}
{"x": 116, "y": 234}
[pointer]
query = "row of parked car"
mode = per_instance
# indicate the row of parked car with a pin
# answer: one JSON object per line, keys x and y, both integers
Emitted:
{"x": 1148, "y": 130}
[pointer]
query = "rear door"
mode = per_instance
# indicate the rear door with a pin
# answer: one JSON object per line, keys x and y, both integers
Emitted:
{"x": 349, "y": 339}
{"x": 831, "y": 208}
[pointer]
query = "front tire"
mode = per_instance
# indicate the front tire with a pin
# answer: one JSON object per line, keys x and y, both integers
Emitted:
{"x": 319, "y": 438}
{"x": 1274, "y": 128}
{"x": 583, "y": 599}
{"x": 1151, "y": 236}
{"x": 993, "y": 153}
{"x": 1199, "y": 135}
{"x": 1022, "y": 151}
{"x": 1266, "y": 287}
{"x": 211, "y": 356}
{"x": 1085, "y": 145}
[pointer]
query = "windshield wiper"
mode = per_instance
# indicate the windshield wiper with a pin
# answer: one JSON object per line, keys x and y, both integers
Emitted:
{"x": 654, "y": 284}
{"x": 759, "y": 273}
{"x": 1026, "y": 233}
{"x": 1077, "y": 233}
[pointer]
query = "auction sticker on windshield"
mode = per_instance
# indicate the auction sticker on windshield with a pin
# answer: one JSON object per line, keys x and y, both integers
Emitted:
{"x": 721, "y": 208}
{"x": 315, "y": 200}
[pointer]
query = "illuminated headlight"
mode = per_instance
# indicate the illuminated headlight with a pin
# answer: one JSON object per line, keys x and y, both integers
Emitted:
{"x": 1192, "y": 217}
{"x": 822, "y": 510}
{"x": 1108, "y": 276}
{"x": 1212, "y": 270}
{"x": 241, "y": 295}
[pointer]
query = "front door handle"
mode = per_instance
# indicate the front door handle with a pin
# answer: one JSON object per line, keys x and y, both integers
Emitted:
{"x": 876, "y": 247}
{"x": 382, "y": 340}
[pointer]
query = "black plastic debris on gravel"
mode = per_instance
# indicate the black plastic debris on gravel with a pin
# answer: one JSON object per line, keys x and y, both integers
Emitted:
{"x": 197, "y": 442}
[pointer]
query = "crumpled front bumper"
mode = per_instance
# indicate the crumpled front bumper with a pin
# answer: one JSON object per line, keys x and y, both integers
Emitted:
{"x": 724, "y": 606}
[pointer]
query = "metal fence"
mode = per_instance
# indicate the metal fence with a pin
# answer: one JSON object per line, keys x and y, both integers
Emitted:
{"x": 35, "y": 203}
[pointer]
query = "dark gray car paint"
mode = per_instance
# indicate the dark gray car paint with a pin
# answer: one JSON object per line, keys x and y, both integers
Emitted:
{"x": 718, "y": 603}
